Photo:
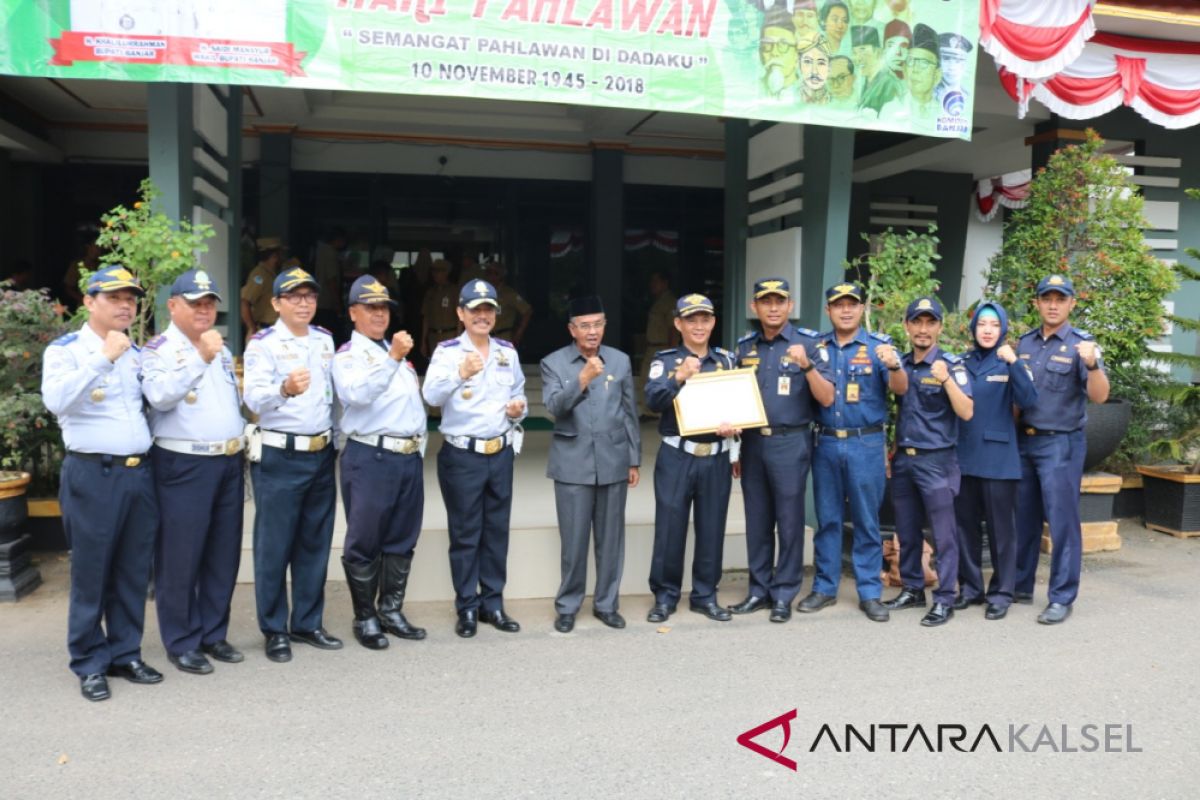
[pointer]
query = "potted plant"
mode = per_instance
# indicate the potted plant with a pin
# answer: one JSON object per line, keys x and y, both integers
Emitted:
{"x": 30, "y": 445}
{"x": 153, "y": 247}
{"x": 1172, "y": 489}
{"x": 1084, "y": 218}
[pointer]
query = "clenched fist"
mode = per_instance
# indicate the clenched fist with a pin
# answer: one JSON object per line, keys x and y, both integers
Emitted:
{"x": 689, "y": 367}
{"x": 210, "y": 345}
{"x": 297, "y": 381}
{"x": 115, "y": 345}
{"x": 593, "y": 369}
{"x": 1006, "y": 354}
{"x": 1086, "y": 350}
{"x": 471, "y": 365}
{"x": 402, "y": 344}
{"x": 799, "y": 355}
{"x": 887, "y": 354}
{"x": 940, "y": 371}
{"x": 514, "y": 408}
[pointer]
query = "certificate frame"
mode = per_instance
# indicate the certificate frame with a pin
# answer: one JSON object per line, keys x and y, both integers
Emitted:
{"x": 734, "y": 392}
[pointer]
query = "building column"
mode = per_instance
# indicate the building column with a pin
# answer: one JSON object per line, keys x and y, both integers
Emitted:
{"x": 606, "y": 235}
{"x": 737, "y": 229}
{"x": 828, "y": 173}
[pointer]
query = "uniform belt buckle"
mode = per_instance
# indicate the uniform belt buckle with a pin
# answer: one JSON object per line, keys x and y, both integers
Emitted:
{"x": 841, "y": 434}
{"x": 233, "y": 447}
{"x": 1031, "y": 431}
{"x": 493, "y": 446}
{"x": 765, "y": 431}
{"x": 133, "y": 461}
{"x": 704, "y": 449}
{"x": 316, "y": 443}
{"x": 911, "y": 451}
{"x": 407, "y": 447}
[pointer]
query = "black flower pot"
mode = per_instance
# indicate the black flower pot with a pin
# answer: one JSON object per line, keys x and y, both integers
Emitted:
{"x": 1105, "y": 428}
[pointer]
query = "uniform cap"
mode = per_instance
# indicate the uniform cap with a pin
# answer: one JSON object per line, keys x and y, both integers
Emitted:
{"x": 476, "y": 293}
{"x": 265, "y": 243}
{"x": 110, "y": 279}
{"x": 194, "y": 284}
{"x": 693, "y": 304}
{"x": 1056, "y": 283}
{"x": 954, "y": 41}
{"x": 772, "y": 286}
{"x": 855, "y": 290}
{"x": 368, "y": 291}
{"x": 924, "y": 305}
{"x": 292, "y": 279}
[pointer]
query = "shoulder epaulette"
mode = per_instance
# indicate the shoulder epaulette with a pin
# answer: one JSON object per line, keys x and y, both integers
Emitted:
{"x": 65, "y": 339}
{"x": 1083, "y": 335}
{"x": 951, "y": 358}
{"x": 322, "y": 330}
{"x": 264, "y": 333}
{"x": 749, "y": 335}
{"x": 1029, "y": 332}
{"x": 449, "y": 343}
{"x": 809, "y": 332}
{"x": 503, "y": 343}
{"x": 883, "y": 337}
{"x": 156, "y": 342}
{"x": 667, "y": 352}
{"x": 134, "y": 347}
{"x": 344, "y": 348}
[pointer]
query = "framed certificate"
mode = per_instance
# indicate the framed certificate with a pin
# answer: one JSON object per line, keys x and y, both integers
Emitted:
{"x": 711, "y": 398}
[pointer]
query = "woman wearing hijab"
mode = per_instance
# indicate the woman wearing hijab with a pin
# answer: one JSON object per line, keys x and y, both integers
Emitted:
{"x": 990, "y": 463}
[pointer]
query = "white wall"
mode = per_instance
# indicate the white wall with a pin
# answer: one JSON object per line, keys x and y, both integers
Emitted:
{"x": 983, "y": 241}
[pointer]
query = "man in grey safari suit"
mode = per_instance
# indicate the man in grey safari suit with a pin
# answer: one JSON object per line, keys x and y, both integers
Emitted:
{"x": 594, "y": 459}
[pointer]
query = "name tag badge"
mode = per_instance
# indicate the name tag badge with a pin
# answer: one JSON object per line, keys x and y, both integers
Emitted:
{"x": 785, "y": 385}
{"x": 997, "y": 378}
{"x": 851, "y": 392}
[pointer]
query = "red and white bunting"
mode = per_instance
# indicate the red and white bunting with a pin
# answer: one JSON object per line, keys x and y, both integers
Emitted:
{"x": 1035, "y": 39}
{"x": 1010, "y": 190}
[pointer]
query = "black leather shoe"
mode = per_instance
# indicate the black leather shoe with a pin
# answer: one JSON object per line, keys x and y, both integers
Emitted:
{"x": 660, "y": 613}
{"x": 192, "y": 661}
{"x": 467, "y": 622}
{"x": 564, "y": 623}
{"x": 610, "y": 618}
{"x": 940, "y": 614}
{"x": 995, "y": 611}
{"x": 279, "y": 649}
{"x": 94, "y": 687}
{"x": 319, "y": 638}
{"x": 1024, "y": 598}
{"x": 136, "y": 671}
{"x": 780, "y": 612}
{"x": 875, "y": 610}
{"x": 750, "y": 605}
{"x": 713, "y": 611}
{"x": 961, "y": 603}
{"x": 224, "y": 651}
{"x": 500, "y": 621}
{"x": 908, "y": 598}
{"x": 1054, "y": 614}
{"x": 815, "y": 602}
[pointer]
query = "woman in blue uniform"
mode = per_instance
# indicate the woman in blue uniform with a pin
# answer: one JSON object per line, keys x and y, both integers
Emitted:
{"x": 990, "y": 463}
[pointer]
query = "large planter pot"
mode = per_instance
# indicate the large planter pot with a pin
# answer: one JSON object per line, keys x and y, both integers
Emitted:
{"x": 1172, "y": 497}
{"x": 18, "y": 576}
{"x": 1105, "y": 428}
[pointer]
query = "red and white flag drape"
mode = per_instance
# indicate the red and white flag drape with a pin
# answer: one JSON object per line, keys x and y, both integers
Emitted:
{"x": 1158, "y": 79}
{"x": 1010, "y": 191}
{"x": 1035, "y": 38}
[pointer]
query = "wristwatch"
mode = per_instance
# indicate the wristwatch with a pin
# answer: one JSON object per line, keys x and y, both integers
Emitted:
{"x": 807, "y": 369}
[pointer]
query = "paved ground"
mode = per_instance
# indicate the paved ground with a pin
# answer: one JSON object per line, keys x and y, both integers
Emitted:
{"x": 633, "y": 713}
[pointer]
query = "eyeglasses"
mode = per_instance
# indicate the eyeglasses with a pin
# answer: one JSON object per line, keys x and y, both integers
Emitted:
{"x": 921, "y": 63}
{"x": 300, "y": 298}
{"x": 840, "y": 79}
{"x": 589, "y": 327}
{"x": 775, "y": 46}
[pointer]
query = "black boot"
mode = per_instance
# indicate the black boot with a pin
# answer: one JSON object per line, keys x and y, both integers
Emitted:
{"x": 363, "y": 580}
{"x": 391, "y": 597}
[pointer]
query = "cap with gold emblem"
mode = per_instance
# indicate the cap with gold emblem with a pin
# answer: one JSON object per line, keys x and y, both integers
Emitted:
{"x": 924, "y": 305}
{"x": 1056, "y": 283}
{"x": 292, "y": 279}
{"x": 772, "y": 286}
{"x": 693, "y": 304}
{"x": 367, "y": 290}
{"x": 111, "y": 279}
{"x": 194, "y": 284}
{"x": 838, "y": 291}
{"x": 477, "y": 293}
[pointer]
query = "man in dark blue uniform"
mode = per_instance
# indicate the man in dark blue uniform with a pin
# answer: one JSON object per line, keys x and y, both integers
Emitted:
{"x": 850, "y": 455}
{"x": 775, "y": 459}
{"x": 188, "y": 379}
{"x": 1068, "y": 372}
{"x": 990, "y": 463}
{"x": 925, "y": 476}
{"x": 689, "y": 470}
{"x": 90, "y": 382}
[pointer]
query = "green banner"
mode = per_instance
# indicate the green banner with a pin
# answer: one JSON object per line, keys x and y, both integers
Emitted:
{"x": 897, "y": 65}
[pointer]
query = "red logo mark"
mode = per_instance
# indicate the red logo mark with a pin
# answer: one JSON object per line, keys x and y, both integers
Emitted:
{"x": 746, "y": 739}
